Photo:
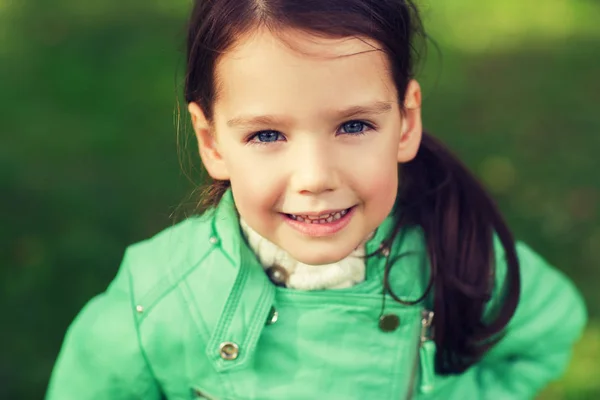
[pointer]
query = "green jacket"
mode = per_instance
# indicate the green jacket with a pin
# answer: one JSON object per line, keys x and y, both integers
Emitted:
{"x": 191, "y": 314}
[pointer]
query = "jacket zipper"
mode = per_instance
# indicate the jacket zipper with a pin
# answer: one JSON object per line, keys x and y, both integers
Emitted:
{"x": 423, "y": 358}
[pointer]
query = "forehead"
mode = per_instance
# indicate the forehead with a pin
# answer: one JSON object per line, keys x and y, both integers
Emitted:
{"x": 300, "y": 70}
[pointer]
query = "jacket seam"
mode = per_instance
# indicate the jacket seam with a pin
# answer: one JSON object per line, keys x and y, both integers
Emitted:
{"x": 227, "y": 313}
{"x": 200, "y": 325}
{"x": 138, "y": 336}
{"x": 165, "y": 286}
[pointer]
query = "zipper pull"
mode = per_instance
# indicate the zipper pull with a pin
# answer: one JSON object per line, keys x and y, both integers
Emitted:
{"x": 427, "y": 354}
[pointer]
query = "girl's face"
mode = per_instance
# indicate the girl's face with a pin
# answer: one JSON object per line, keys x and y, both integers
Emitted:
{"x": 309, "y": 129}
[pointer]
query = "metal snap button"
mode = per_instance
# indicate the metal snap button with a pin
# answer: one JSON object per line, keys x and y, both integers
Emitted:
{"x": 385, "y": 250}
{"x": 273, "y": 316}
{"x": 278, "y": 275}
{"x": 229, "y": 351}
{"x": 213, "y": 240}
{"x": 389, "y": 322}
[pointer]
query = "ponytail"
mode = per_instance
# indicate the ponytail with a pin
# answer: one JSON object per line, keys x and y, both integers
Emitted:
{"x": 459, "y": 221}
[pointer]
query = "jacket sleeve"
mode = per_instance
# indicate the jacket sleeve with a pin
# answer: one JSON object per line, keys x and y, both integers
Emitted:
{"x": 101, "y": 357}
{"x": 537, "y": 346}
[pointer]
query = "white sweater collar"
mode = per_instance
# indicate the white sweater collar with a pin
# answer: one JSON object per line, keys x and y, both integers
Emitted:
{"x": 294, "y": 274}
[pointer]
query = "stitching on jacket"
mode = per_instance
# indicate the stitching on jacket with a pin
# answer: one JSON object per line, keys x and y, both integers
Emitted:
{"x": 138, "y": 334}
{"x": 227, "y": 314}
{"x": 165, "y": 286}
{"x": 256, "y": 329}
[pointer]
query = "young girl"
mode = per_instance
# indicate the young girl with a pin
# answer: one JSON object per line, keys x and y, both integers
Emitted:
{"x": 343, "y": 254}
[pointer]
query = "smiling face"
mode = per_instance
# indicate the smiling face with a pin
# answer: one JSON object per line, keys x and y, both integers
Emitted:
{"x": 309, "y": 132}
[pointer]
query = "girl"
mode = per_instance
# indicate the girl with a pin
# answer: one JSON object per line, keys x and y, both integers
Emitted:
{"x": 343, "y": 254}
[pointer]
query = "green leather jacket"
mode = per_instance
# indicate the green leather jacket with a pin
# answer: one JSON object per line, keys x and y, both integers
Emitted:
{"x": 191, "y": 314}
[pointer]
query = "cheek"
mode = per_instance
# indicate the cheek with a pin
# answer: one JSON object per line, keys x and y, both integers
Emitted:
{"x": 251, "y": 202}
{"x": 255, "y": 189}
{"x": 375, "y": 166}
{"x": 377, "y": 179}
{"x": 383, "y": 185}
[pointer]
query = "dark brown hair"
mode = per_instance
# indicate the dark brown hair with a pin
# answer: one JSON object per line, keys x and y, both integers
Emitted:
{"x": 437, "y": 193}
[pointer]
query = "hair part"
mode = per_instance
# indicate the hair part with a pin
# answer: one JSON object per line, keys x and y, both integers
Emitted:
{"x": 437, "y": 193}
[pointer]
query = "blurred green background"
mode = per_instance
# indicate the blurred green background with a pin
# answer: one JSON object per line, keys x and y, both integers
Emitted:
{"x": 89, "y": 152}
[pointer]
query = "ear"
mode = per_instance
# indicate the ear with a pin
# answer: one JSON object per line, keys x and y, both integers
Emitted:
{"x": 412, "y": 126}
{"x": 207, "y": 144}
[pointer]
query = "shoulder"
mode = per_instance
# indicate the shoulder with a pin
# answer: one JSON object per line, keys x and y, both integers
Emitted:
{"x": 156, "y": 264}
{"x": 148, "y": 265}
{"x": 549, "y": 303}
{"x": 537, "y": 275}
{"x": 101, "y": 355}
{"x": 178, "y": 243}
{"x": 543, "y": 284}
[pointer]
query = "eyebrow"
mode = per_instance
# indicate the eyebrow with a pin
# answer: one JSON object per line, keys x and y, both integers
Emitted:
{"x": 375, "y": 108}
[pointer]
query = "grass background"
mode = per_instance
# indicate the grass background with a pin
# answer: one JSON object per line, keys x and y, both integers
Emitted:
{"x": 89, "y": 153}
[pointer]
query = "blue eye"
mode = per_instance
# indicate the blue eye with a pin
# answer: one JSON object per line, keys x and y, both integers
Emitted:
{"x": 266, "y": 137}
{"x": 354, "y": 127}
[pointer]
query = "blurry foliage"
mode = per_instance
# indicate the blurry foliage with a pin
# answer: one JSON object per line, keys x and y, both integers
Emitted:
{"x": 88, "y": 148}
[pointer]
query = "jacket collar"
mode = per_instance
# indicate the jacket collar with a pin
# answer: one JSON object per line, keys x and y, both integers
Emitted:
{"x": 251, "y": 294}
{"x": 226, "y": 229}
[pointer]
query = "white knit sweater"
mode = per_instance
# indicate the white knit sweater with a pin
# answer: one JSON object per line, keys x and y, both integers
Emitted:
{"x": 342, "y": 274}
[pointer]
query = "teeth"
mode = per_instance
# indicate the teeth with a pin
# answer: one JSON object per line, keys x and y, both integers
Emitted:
{"x": 318, "y": 219}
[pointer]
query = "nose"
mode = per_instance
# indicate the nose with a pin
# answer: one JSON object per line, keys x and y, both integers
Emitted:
{"x": 315, "y": 169}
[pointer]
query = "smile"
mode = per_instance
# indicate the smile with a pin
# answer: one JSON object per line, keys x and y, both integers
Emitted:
{"x": 320, "y": 225}
{"x": 319, "y": 219}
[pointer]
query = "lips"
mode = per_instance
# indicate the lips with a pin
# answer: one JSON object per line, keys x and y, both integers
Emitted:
{"x": 325, "y": 224}
{"x": 319, "y": 219}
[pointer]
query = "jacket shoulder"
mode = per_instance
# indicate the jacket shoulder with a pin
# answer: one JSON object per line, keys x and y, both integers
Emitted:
{"x": 157, "y": 264}
{"x": 101, "y": 355}
{"x": 550, "y": 315}
{"x": 542, "y": 285}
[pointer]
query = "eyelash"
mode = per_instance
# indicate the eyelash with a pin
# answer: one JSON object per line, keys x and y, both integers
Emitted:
{"x": 366, "y": 126}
